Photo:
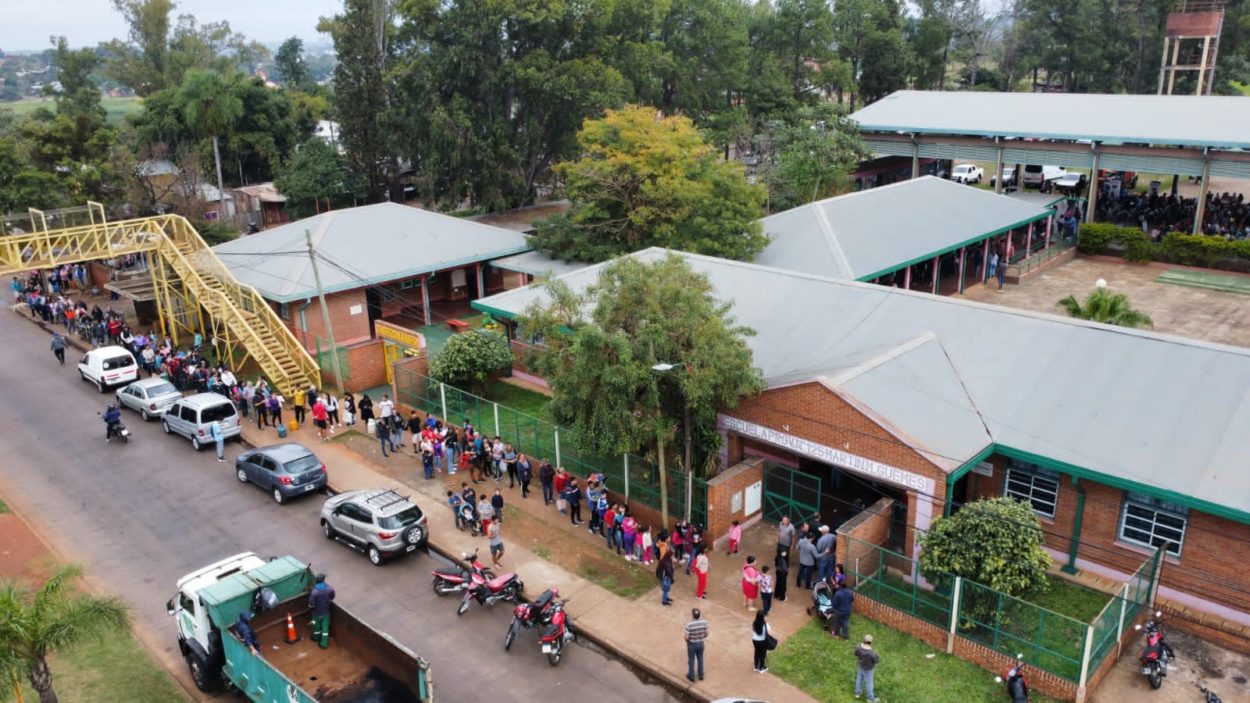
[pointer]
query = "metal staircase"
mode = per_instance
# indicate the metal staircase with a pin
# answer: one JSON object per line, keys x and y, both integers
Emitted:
{"x": 190, "y": 283}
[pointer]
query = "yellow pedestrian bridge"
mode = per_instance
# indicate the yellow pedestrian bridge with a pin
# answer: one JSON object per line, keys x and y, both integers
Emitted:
{"x": 194, "y": 291}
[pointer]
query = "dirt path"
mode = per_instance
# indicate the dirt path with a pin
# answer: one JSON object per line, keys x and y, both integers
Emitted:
{"x": 22, "y": 554}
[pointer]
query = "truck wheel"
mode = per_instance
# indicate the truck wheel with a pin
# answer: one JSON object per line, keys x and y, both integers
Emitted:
{"x": 204, "y": 679}
{"x": 375, "y": 556}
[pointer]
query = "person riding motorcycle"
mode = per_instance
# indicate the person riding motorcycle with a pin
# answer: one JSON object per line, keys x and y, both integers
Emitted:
{"x": 112, "y": 418}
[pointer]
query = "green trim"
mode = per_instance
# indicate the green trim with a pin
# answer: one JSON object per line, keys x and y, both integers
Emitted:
{"x": 962, "y": 471}
{"x": 495, "y": 312}
{"x": 1070, "y": 567}
{"x": 1125, "y": 484}
{"x": 975, "y": 240}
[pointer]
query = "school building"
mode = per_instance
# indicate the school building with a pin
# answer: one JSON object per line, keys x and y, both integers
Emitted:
{"x": 1122, "y": 440}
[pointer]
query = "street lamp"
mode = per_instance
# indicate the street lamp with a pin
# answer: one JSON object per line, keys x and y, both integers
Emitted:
{"x": 663, "y": 367}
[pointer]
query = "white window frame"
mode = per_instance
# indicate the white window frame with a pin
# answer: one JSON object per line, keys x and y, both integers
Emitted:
{"x": 1031, "y": 492}
{"x": 1147, "y": 509}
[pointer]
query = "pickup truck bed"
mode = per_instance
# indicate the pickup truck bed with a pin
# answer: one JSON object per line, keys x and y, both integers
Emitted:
{"x": 352, "y": 670}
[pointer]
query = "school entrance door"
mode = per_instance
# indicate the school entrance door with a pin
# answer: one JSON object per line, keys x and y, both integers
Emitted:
{"x": 789, "y": 492}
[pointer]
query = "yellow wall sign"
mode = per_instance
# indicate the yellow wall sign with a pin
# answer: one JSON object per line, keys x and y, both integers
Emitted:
{"x": 398, "y": 335}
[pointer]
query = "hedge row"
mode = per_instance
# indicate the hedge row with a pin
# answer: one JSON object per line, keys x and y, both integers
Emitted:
{"x": 1176, "y": 247}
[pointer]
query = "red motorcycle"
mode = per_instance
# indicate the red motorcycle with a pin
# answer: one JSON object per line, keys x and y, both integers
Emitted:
{"x": 489, "y": 591}
{"x": 1017, "y": 687}
{"x": 532, "y": 615}
{"x": 1155, "y": 658}
{"x": 447, "y": 581}
{"x": 557, "y": 633}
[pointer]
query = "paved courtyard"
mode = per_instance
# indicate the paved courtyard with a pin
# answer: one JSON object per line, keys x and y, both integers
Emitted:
{"x": 1214, "y": 316}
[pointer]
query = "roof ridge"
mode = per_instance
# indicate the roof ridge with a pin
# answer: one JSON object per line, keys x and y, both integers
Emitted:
{"x": 882, "y": 358}
{"x": 831, "y": 239}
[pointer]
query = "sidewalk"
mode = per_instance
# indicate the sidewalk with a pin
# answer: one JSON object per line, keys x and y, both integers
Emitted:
{"x": 642, "y": 632}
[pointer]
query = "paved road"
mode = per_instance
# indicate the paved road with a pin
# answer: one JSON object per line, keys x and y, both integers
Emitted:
{"x": 139, "y": 516}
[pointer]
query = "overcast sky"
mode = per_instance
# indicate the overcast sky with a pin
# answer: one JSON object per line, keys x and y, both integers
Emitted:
{"x": 27, "y": 24}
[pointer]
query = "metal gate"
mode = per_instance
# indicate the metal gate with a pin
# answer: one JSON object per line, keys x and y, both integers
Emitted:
{"x": 790, "y": 492}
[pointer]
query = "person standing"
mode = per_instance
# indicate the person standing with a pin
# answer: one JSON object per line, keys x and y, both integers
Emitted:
{"x": 573, "y": 496}
{"x": 807, "y": 563}
{"x": 524, "y": 474}
{"x": 866, "y": 658}
{"x": 766, "y": 589}
{"x": 825, "y": 547}
{"x": 843, "y": 598}
{"x": 696, "y": 635}
{"x": 332, "y": 411}
{"x": 496, "y": 542}
{"x": 664, "y": 572}
{"x": 735, "y": 536}
{"x": 366, "y": 409}
{"x": 785, "y": 535}
{"x": 300, "y": 399}
{"x": 321, "y": 418}
{"x": 58, "y": 347}
{"x": 750, "y": 583}
{"x": 546, "y": 478}
{"x": 496, "y": 502}
{"x": 319, "y": 603}
{"x": 485, "y": 513}
{"x": 384, "y": 435}
{"x": 760, "y": 634}
{"x": 349, "y": 408}
{"x": 262, "y": 408}
{"x": 781, "y": 566}
{"x": 219, "y": 437}
{"x": 701, "y": 565}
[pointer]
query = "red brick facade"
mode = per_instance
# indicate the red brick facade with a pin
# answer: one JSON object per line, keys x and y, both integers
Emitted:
{"x": 720, "y": 493}
{"x": 349, "y": 316}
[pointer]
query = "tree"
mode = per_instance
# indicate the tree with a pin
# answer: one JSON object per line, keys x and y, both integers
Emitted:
{"x": 647, "y": 180}
{"x": 997, "y": 542}
{"x": 54, "y": 618}
{"x": 317, "y": 172}
{"x": 598, "y": 349}
{"x": 290, "y": 63}
{"x": 1106, "y": 307}
{"x": 211, "y": 110}
{"x": 471, "y": 358}
{"x": 809, "y": 159}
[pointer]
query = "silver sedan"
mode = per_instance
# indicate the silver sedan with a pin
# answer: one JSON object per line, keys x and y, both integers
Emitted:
{"x": 149, "y": 397}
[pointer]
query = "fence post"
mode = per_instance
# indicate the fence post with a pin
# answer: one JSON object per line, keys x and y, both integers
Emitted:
{"x": 442, "y": 395}
{"x": 950, "y": 633}
{"x": 497, "y": 432}
{"x": 626, "y": 477}
{"x": 1156, "y": 570}
{"x": 689, "y": 492}
{"x": 1119, "y": 630}
{"x": 1089, "y": 643}
{"x": 558, "y": 463}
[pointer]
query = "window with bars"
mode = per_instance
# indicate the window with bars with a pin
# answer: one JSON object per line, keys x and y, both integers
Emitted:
{"x": 1152, "y": 522}
{"x": 1034, "y": 485}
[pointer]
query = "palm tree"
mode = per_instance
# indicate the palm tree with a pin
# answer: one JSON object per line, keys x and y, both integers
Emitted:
{"x": 211, "y": 109}
{"x": 55, "y": 617}
{"x": 1104, "y": 306}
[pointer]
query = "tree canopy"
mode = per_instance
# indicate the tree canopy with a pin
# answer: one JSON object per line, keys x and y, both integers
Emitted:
{"x": 471, "y": 358}
{"x": 317, "y": 172}
{"x": 647, "y": 180}
{"x": 997, "y": 542}
{"x": 597, "y": 350}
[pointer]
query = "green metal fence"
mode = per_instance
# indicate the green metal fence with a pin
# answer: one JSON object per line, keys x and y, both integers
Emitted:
{"x": 1048, "y": 640}
{"x": 1122, "y": 611}
{"x": 631, "y": 475}
{"x": 883, "y": 576}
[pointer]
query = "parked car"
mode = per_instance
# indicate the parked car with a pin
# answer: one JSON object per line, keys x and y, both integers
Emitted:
{"x": 192, "y": 416}
{"x": 1035, "y": 176}
{"x": 379, "y": 522}
{"x": 967, "y": 173}
{"x": 1071, "y": 183}
{"x": 149, "y": 397}
{"x": 1127, "y": 178}
{"x": 107, "y": 367}
{"x": 285, "y": 470}
{"x": 1009, "y": 177}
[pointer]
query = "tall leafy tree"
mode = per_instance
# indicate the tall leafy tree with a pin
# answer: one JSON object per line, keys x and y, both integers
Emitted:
{"x": 362, "y": 100}
{"x": 211, "y": 109}
{"x": 647, "y": 180}
{"x": 809, "y": 157}
{"x": 316, "y": 172}
{"x": 290, "y": 62}
{"x": 35, "y": 624}
{"x": 600, "y": 348}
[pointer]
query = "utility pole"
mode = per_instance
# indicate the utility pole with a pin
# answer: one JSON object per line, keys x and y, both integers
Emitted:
{"x": 325, "y": 315}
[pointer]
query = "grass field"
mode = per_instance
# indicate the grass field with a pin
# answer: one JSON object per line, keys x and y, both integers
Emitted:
{"x": 117, "y": 108}
{"x": 910, "y": 670}
{"x": 114, "y": 669}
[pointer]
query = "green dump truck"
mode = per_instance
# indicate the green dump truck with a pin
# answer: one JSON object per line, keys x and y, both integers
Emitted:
{"x": 361, "y": 663}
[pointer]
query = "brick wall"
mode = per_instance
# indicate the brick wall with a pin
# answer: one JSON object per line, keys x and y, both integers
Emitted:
{"x": 366, "y": 366}
{"x": 720, "y": 492}
{"x": 997, "y": 662}
{"x": 348, "y": 328}
{"x": 870, "y": 527}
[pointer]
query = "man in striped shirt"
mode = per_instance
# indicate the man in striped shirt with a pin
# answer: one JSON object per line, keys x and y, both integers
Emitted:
{"x": 696, "y": 633}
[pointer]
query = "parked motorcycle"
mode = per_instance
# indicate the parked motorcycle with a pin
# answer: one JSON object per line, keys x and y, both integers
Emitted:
{"x": 532, "y": 615}
{"x": 489, "y": 591}
{"x": 456, "y": 578}
{"x": 557, "y": 633}
{"x": 1017, "y": 686}
{"x": 1158, "y": 653}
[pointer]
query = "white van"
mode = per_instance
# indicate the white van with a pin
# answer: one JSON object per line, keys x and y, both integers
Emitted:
{"x": 1035, "y": 176}
{"x": 108, "y": 366}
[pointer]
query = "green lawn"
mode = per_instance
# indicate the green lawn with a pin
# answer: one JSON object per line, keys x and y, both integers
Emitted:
{"x": 115, "y": 669}
{"x": 116, "y": 109}
{"x": 910, "y": 670}
{"x": 520, "y": 399}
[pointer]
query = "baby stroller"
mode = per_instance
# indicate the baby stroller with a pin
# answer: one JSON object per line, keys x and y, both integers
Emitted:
{"x": 822, "y": 603}
{"x": 468, "y": 518}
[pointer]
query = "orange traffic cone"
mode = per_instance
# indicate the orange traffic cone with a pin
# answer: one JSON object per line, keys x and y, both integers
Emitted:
{"x": 291, "y": 636}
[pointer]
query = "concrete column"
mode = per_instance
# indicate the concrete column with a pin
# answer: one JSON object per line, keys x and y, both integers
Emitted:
{"x": 1028, "y": 243}
{"x": 907, "y": 278}
{"x": 1202, "y": 191}
{"x": 963, "y": 256}
{"x": 985, "y": 261}
{"x": 915, "y": 157}
{"x": 425, "y": 298}
{"x": 1092, "y": 203}
{"x": 1050, "y": 221}
{"x": 481, "y": 281}
{"x": 998, "y": 169}
{"x": 936, "y": 268}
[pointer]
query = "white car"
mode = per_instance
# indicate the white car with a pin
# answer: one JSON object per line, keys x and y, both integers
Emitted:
{"x": 150, "y": 397}
{"x": 967, "y": 173}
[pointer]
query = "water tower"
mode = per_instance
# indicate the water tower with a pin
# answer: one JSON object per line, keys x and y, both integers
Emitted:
{"x": 1191, "y": 45}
